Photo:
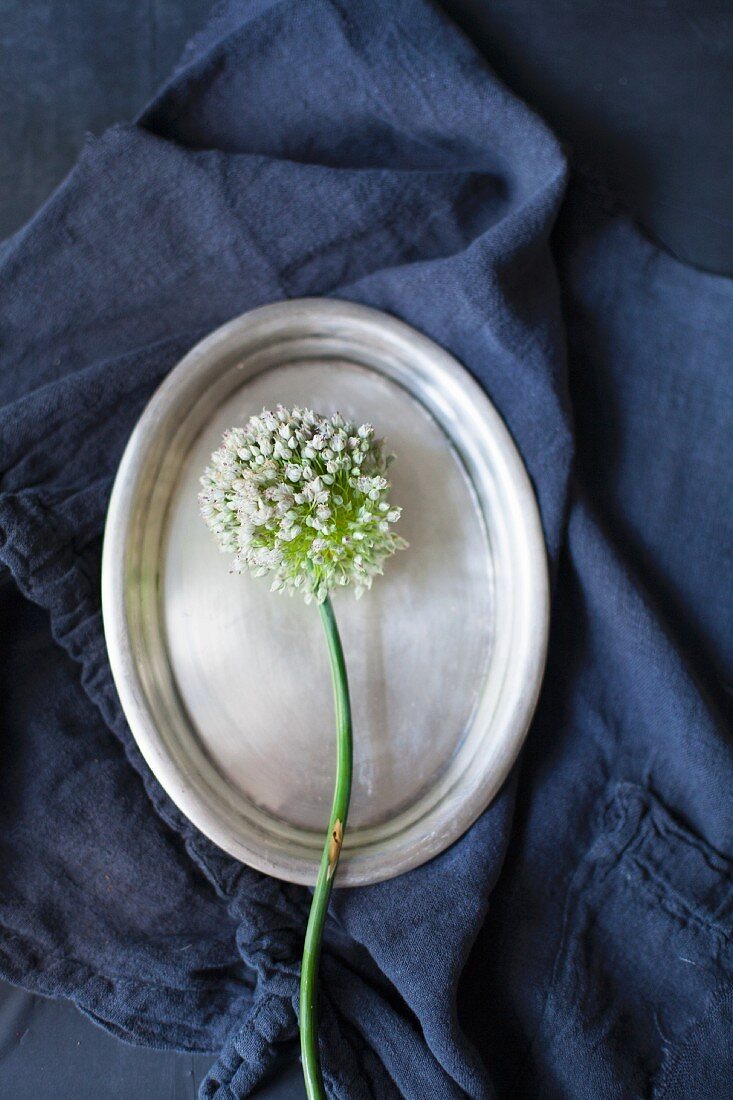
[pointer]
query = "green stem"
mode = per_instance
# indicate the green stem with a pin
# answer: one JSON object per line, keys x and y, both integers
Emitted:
{"x": 329, "y": 860}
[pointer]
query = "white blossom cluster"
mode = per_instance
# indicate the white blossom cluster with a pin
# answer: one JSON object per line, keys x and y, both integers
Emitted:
{"x": 303, "y": 497}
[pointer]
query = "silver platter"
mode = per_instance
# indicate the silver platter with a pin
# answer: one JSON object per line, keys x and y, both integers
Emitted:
{"x": 226, "y": 687}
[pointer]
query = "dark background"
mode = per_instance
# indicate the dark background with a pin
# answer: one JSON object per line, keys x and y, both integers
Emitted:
{"x": 640, "y": 91}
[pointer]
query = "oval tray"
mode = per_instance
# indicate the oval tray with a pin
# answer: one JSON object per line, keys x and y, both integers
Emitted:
{"x": 226, "y": 686}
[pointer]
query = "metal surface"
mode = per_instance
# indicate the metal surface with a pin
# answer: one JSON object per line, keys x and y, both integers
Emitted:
{"x": 226, "y": 686}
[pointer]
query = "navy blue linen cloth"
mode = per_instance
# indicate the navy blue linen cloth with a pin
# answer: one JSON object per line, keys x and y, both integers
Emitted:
{"x": 577, "y": 941}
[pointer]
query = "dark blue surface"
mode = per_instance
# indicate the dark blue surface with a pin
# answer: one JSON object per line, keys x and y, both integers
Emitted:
{"x": 636, "y": 88}
{"x": 387, "y": 167}
{"x": 72, "y": 68}
{"x": 49, "y": 1050}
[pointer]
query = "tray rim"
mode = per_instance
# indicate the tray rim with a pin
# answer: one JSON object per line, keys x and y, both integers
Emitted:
{"x": 365, "y": 865}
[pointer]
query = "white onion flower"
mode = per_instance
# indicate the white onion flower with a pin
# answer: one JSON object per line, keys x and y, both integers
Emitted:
{"x": 303, "y": 497}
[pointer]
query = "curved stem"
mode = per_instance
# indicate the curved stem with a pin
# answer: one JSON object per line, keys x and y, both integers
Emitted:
{"x": 329, "y": 860}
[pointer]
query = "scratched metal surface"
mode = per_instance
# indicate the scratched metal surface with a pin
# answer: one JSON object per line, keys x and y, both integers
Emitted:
{"x": 413, "y": 680}
{"x": 445, "y": 656}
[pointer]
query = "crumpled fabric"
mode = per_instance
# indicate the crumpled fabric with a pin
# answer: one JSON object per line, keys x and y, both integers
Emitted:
{"x": 576, "y": 942}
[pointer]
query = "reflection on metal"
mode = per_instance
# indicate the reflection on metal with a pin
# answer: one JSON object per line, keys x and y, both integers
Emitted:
{"x": 226, "y": 686}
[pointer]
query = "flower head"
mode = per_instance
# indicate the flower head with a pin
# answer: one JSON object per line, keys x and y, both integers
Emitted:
{"x": 303, "y": 497}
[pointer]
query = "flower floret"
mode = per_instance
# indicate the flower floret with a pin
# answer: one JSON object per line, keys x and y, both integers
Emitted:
{"x": 303, "y": 497}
